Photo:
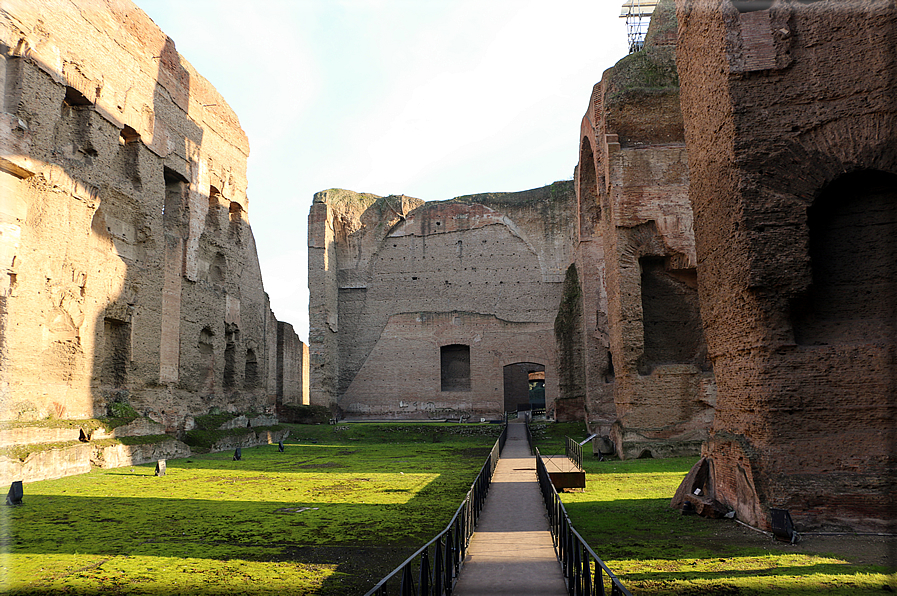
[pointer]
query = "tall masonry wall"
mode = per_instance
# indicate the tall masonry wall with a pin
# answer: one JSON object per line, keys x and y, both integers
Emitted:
{"x": 636, "y": 234}
{"x": 129, "y": 269}
{"x": 791, "y": 129}
{"x": 417, "y": 308}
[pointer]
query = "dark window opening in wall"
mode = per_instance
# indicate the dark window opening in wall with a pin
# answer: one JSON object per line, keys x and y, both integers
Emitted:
{"x": 207, "y": 359}
{"x": 174, "y": 209}
{"x": 589, "y": 210}
{"x": 126, "y": 160}
{"x": 214, "y": 204}
{"x": 251, "y": 374}
{"x": 73, "y": 132}
{"x": 455, "y": 367}
{"x": 670, "y": 315}
{"x": 853, "y": 252}
{"x": 128, "y": 135}
{"x": 231, "y": 335}
{"x": 74, "y": 98}
{"x": 609, "y": 375}
{"x": 116, "y": 352}
{"x": 235, "y": 212}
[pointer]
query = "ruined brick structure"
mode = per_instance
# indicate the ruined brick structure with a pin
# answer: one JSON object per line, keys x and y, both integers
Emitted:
{"x": 791, "y": 128}
{"x": 420, "y": 310}
{"x": 129, "y": 270}
{"x": 641, "y": 326}
{"x": 591, "y": 284}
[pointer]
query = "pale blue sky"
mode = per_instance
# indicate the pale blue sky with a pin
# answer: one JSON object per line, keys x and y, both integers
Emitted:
{"x": 428, "y": 98}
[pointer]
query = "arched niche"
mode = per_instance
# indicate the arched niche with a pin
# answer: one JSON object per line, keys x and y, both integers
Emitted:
{"x": 853, "y": 254}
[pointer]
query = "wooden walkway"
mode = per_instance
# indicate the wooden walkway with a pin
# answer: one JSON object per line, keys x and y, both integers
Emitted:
{"x": 512, "y": 552}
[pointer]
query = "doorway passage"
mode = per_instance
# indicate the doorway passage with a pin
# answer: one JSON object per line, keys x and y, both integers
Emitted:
{"x": 524, "y": 386}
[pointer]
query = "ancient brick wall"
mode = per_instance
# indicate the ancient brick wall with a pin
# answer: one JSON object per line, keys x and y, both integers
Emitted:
{"x": 633, "y": 189}
{"x": 790, "y": 126}
{"x": 292, "y": 366}
{"x": 395, "y": 281}
{"x": 129, "y": 267}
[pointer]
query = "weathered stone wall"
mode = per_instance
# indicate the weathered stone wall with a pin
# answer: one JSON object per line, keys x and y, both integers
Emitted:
{"x": 292, "y": 367}
{"x": 393, "y": 281}
{"x": 129, "y": 267}
{"x": 790, "y": 125}
{"x": 633, "y": 190}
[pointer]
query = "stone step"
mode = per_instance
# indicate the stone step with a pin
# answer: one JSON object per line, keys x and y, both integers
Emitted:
{"x": 75, "y": 457}
{"x": 29, "y": 435}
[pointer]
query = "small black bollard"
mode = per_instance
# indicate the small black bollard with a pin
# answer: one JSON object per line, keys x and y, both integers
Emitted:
{"x": 238, "y": 454}
{"x": 280, "y": 446}
{"x": 160, "y": 467}
{"x": 14, "y": 497}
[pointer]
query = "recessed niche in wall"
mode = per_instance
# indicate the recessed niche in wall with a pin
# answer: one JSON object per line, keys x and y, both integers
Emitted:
{"x": 455, "y": 367}
{"x": 853, "y": 252}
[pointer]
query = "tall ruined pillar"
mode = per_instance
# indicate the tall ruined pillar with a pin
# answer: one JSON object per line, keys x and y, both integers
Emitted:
{"x": 633, "y": 186}
{"x": 792, "y": 147}
{"x": 323, "y": 314}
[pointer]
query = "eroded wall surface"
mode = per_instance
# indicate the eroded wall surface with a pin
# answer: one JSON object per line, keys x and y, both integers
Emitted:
{"x": 129, "y": 267}
{"x": 395, "y": 282}
{"x": 632, "y": 184}
{"x": 292, "y": 367}
{"x": 790, "y": 124}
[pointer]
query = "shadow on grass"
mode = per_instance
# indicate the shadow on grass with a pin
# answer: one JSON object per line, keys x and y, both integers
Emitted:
{"x": 223, "y": 522}
{"x": 828, "y": 569}
{"x": 324, "y": 571}
{"x": 300, "y": 458}
{"x": 359, "y": 542}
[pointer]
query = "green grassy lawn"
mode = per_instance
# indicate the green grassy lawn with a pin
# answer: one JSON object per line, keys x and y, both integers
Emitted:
{"x": 340, "y": 508}
{"x": 625, "y": 517}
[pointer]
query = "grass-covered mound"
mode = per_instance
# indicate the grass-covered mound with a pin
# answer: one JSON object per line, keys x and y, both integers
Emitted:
{"x": 340, "y": 508}
{"x": 208, "y": 434}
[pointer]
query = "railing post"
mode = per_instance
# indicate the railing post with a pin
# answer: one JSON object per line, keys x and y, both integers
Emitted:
{"x": 438, "y": 579}
{"x": 569, "y": 554}
{"x": 449, "y": 567}
{"x": 407, "y": 586}
{"x": 424, "y": 577}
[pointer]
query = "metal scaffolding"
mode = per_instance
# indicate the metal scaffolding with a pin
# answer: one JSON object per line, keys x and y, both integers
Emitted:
{"x": 638, "y": 15}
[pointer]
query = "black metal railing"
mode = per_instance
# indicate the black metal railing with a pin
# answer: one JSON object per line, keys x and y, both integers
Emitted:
{"x": 433, "y": 569}
{"x": 584, "y": 572}
{"x": 573, "y": 451}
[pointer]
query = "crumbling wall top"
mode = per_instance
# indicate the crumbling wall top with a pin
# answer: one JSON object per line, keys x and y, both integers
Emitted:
{"x": 122, "y": 91}
{"x": 641, "y": 92}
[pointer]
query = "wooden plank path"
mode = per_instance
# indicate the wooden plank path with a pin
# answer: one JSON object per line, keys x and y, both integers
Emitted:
{"x": 511, "y": 551}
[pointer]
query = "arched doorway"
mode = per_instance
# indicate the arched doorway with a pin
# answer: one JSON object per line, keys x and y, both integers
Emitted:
{"x": 524, "y": 384}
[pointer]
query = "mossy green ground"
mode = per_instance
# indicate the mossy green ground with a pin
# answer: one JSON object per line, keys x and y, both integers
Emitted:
{"x": 625, "y": 517}
{"x": 341, "y": 507}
